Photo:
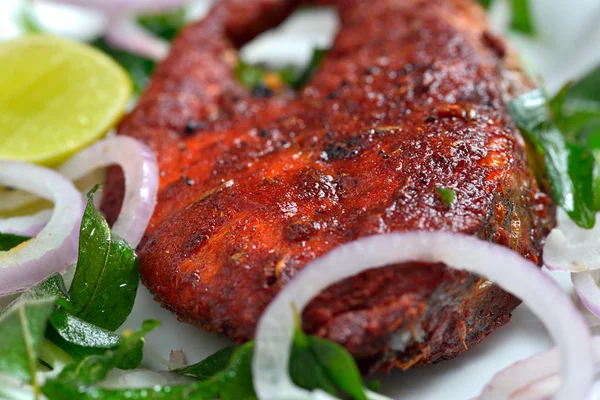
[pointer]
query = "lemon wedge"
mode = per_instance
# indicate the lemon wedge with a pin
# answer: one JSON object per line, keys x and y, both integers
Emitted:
{"x": 56, "y": 97}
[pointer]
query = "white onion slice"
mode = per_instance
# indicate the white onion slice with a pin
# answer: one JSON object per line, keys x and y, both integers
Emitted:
{"x": 503, "y": 266}
{"x": 15, "y": 199}
{"x": 127, "y": 6}
{"x": 518, "y": 379}
{"x": 124, "y": 33}
{"x": 55, "y": 247}
{"x": 141, "y": 180}
{"x": 571, "y": 248}
{"x": 586, "y": 286}
{"x": 29, "y": 225}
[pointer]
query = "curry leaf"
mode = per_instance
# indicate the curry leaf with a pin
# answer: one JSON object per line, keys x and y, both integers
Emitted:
{"x": 94, "y": 368}
{"x": 486, "y": 3}
{"x": 165, "y": 25}
{"x": 569, "y": 166}
{"x": 305, "y": 369}
{"x": 107, "y": 277}
{"x": 339, "y": 365}
{"x": 576, "y": 108}
{"x": 521, "y": 20}
{"x": 80, "y": 338}
{"x": 252, "y": 76}
{"x": 312, "y": 68}
{"x": 9, "y": 241}
{"x": 53, "y": 286}
{"x": 204, "y": 390}
{"x": 210, "y": 366}
{"x": 239, "y": 371}
{"x": 570, "y": 169}
{"x": 22, "y": 327}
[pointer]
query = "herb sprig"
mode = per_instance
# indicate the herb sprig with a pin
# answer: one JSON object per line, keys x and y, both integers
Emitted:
{"x": 564, "y": 132}
{"x": 76, "y": 326}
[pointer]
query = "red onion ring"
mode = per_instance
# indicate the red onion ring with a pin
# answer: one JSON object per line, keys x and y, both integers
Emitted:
{"x": 506, "y": 268}
{"x": 29, "y": 225}
{"x": 114, "y": 7}
{"x": 570, "y": 248}
{"x": 517, "y": 378}
{"x": 586, "y": 286}
{"x": 124, "y": 33}
{"x": 55, "y": 247}
{"x": 141, "y": 180}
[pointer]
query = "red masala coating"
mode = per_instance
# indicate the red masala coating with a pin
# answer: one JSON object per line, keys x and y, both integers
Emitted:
{"x": 410, "y": 99}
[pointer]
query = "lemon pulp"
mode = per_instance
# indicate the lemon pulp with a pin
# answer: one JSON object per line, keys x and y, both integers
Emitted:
{"x": 56, "y": 97}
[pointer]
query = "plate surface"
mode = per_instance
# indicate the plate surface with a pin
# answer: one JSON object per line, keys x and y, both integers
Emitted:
{"x": 566, "y": 46}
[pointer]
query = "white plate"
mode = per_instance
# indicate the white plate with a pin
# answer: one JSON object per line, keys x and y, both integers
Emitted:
{"x": 566, "y": 46}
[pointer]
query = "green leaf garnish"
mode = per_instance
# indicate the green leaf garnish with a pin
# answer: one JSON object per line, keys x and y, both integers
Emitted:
{"x": 521, "y": 19}
{"x": 210, "y": 366}
{"x": 448, "y": 195}
{"x": 251, "y": 76}
{"x": 166, "y": 25}
{"x": 312, "y": 68}
{"x": 27, "y": 19}
{"x": 78, "y": 337}
{"x": 22, "y": 327}
{"x": 9, "y": 241}
{"x": 107, "y": 277}
{"x": 569, "y": 166}
{"x": 94, "y": 368}
{"x": 486, "y": 3}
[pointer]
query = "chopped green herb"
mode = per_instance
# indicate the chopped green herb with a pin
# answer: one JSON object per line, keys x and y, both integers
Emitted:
{"x": 448, "y": 195}
{"x": 107, "y": 277}
{"x": 249, "y": 75}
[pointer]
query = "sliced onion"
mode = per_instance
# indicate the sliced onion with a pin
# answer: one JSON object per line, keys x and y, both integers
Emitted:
{"x": 55, "y": 247}
{"x": 586, "y": 286}
{"x": 536, "y": 377}
{"x": 127, "y": 6}
{"x": 15, "y": 199}
{"x": 499, "y": 264}
{"x": 571, "y": 248}
{"x": 141, "y": 378}
{"x": 29, "y": 225}
{"x": 124, "y": 33}
{"x": 141, "y": 180}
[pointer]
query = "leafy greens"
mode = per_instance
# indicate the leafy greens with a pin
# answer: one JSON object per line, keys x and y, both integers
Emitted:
{"x": 565, "y": 132}
{"x": 522, "y": 20}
